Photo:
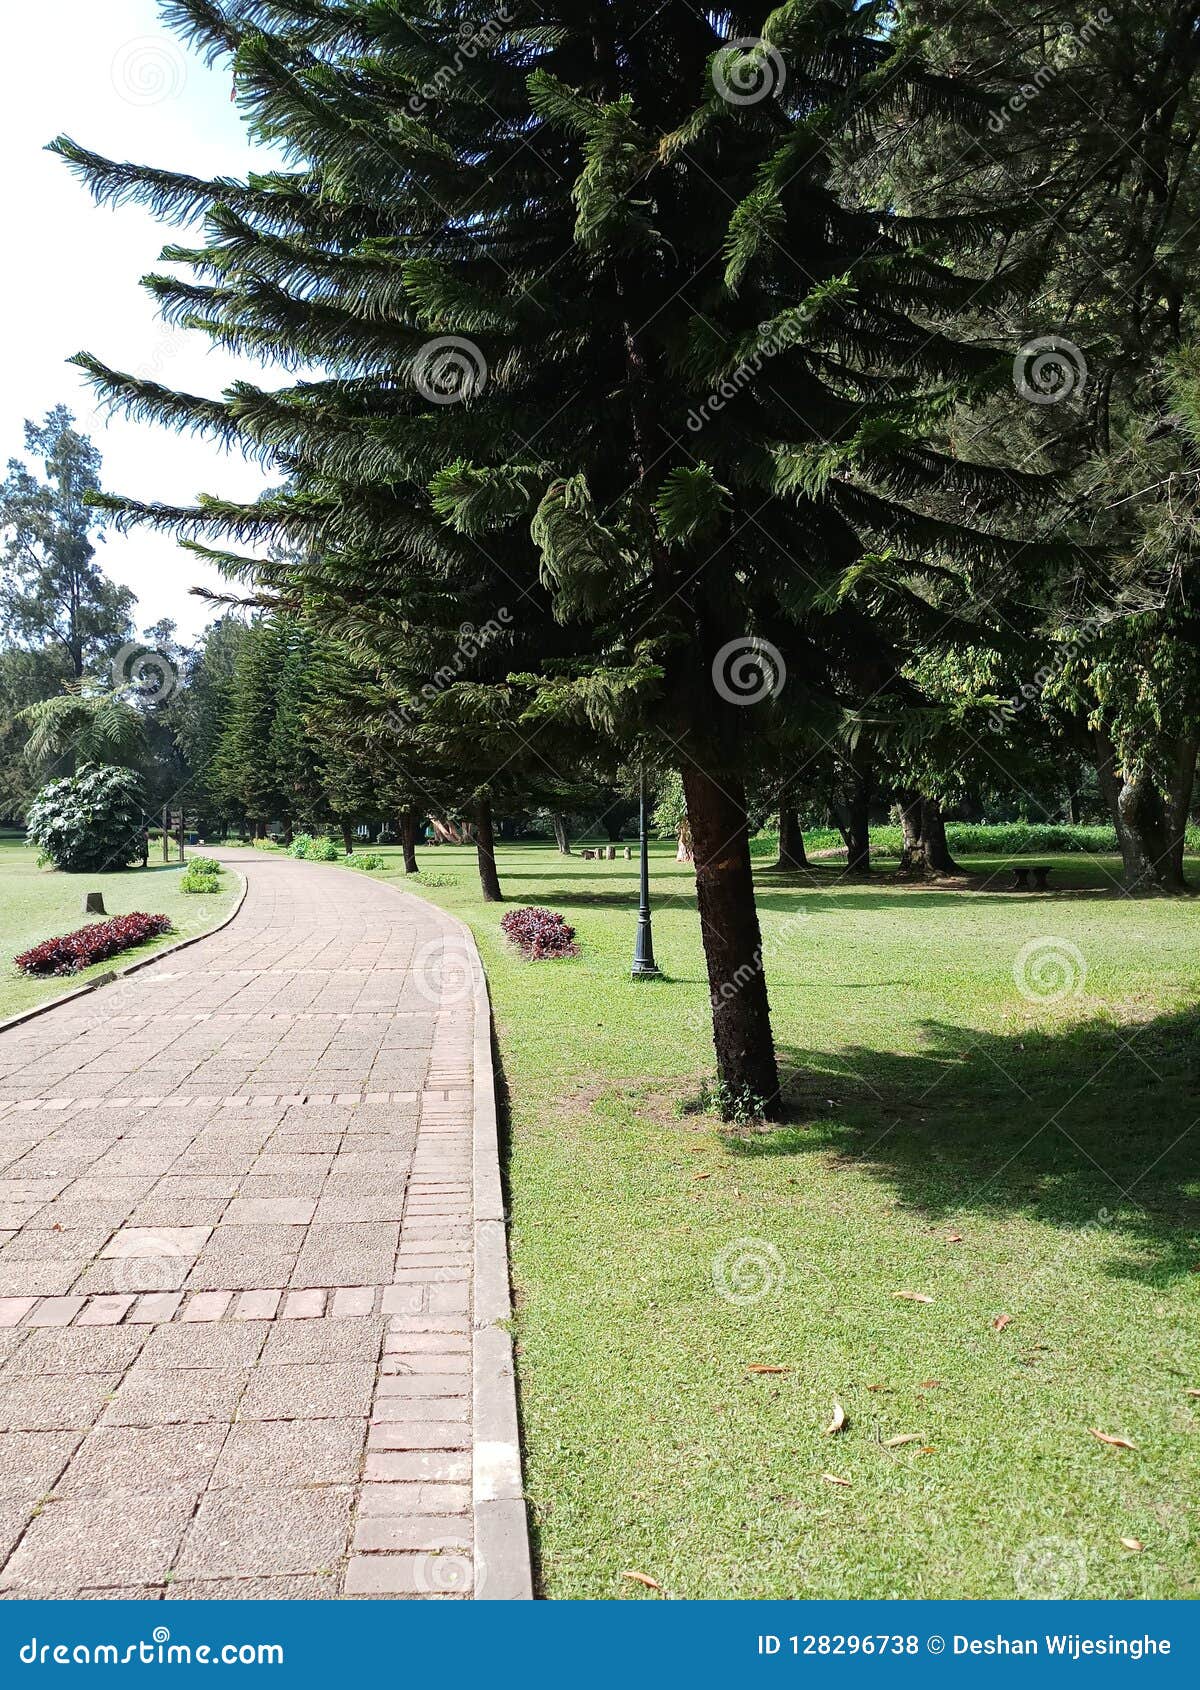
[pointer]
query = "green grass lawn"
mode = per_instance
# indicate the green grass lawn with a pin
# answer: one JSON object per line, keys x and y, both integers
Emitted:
{"x": 38, "y": 903}
{"x": 949, "y": 1137}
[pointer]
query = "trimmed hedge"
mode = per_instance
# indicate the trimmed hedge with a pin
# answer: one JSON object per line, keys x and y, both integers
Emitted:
{"x": 75, "y": 951}
{"x": 974, "y": 839}
{"x": 540, "y": 933}
{"x": 194, "y": 882}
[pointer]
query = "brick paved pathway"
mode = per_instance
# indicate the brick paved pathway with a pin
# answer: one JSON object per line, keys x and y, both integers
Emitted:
{"x": 236, "y": 1251}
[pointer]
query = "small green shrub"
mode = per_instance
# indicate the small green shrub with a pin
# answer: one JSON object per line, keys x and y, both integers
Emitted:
{"x": 193, "y": 882}
{"x": 312, "y": 849}
{"x": 430, "y": 877}
{"x": 266, "y": 845}
{"x": 365, "y": 860}
{"x": 91, "y": 821}
{"x": 203, "y": 865}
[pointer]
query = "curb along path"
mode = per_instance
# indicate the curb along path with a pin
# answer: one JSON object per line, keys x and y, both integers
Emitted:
{"x": 253, "y": 1268}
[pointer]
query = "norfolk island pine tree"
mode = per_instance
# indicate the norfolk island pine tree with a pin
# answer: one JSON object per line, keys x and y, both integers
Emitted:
{"x": 585, "y": 206}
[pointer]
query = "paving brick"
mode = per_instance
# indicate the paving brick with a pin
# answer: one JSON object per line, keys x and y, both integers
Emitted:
{"x": 446, "y": 1575}
{"x": 423, "y": 1466}
{"x": 412, "y": 1532}
{"x": 239, "y": 1533}
{"x": 309, "y": 1390}
{"x": 54, "y": 1311}
{"x": 158, "y": 1307}
{"x": 304, "y": 1305}
{"x": 106, "y": 1311}
{"x": 125, "y": 1539}
{"x": 206, "y": 1305}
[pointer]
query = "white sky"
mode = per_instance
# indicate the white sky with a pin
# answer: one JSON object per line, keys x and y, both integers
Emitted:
{"x": 106, "y": 73}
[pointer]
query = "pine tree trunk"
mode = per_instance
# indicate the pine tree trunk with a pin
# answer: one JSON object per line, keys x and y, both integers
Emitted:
{"x": 408, "y": 840}
{"x": 933, "y": 836}
{"x": 684, "y": 852}
{"x": 347, "y": 835}
{"x": 912, "y": 850}
{"x": 1137, "y": 813}
{"x": 729, "y": 927}
{"x": 560, "y": 836}
{"x": 791, "y": 841}
{"x": 485, "y": 851}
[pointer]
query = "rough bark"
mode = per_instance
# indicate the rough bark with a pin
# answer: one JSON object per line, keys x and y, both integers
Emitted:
{"x": 791, "y": 841}
{"x": 1150, "y": 839}
{"x": 347, "y": 835}
{"x": 560, "y": 836}
{"x": 924, "y": 850}
{"x": 485, "y": 851}
{"x": 408, "y": 840}
{"x": 729, "y": 928}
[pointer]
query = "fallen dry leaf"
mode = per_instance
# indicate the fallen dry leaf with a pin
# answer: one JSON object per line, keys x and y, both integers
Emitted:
{"x": 954, "y": 1238}
{"x": 702, "y": 1176}
{"x": 929, "y": 1384}
{"x": 1109, "y": 1438}
{"x": 1192, "y": 1391}
{"x": 912, "y": 1296}
{"x": 766, "y": 1367}
{"x": 1134, "y": 1543}
{"x": 902, "y": 1438}
{"x": 643, "y": 1578}
{"x": 1000, "y": 1322}
{"x": 832, "y": 1479}
{"x": 838, "y": 1423}
{"x": 877, "y": 1387}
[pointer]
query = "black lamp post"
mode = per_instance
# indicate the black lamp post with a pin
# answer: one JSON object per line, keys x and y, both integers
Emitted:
{"x": 644, "y": 966}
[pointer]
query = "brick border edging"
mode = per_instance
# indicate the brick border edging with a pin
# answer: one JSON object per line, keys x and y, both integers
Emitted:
{"x": 502, "y": 1559}
{"x": 130, "y": 968}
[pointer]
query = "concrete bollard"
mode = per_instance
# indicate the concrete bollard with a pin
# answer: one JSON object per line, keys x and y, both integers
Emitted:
{"x": 93, "y": 903}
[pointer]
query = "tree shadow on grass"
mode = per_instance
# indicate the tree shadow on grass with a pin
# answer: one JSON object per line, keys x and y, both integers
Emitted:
{"x": 1095, "y": 1124}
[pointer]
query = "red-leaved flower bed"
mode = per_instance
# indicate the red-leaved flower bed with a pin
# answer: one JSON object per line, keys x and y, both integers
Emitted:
{"x": 540, "y": 933}
{"x": 91, "y": 944}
